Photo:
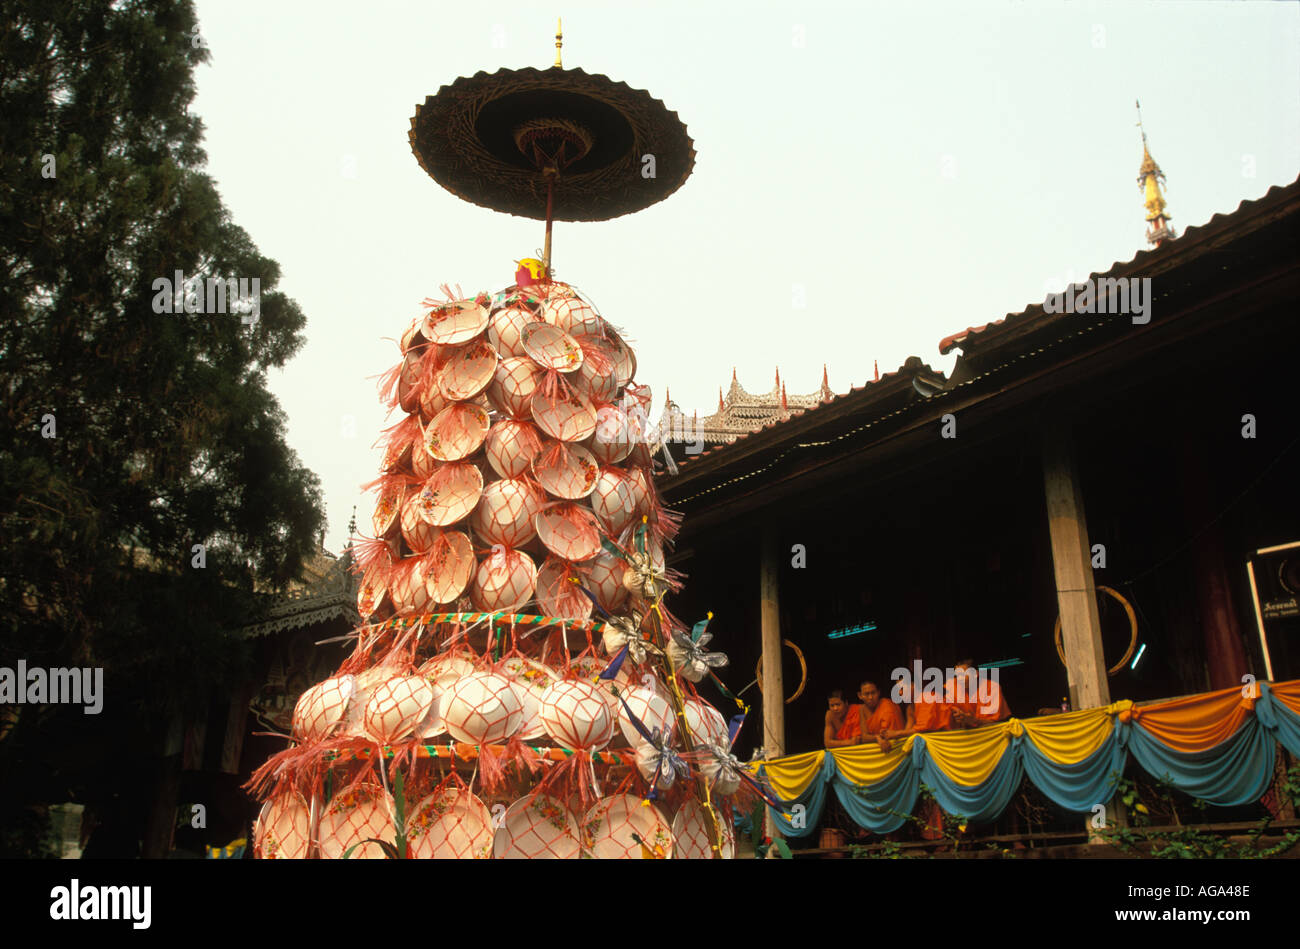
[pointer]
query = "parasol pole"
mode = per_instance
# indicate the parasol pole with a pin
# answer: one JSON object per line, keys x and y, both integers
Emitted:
{"x": 313, "y": 826}
{"x": 550, "y": 174}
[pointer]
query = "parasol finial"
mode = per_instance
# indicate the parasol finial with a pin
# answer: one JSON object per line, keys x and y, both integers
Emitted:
{"x": 559, "y": 41}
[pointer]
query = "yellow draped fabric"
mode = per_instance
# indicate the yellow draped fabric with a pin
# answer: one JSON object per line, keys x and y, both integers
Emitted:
{"x": 969, "y": 757}
{"x": 790, "y": 777}
{"x": 1194, "y": 723}
{"x": 1083, "y": 748}
{"x": 965, "y": 757}
{"x": 1070, "y": 737}
{"x": 867, "y": 764}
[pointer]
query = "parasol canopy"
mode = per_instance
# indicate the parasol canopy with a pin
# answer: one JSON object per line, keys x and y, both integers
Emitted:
{"x": 494, "y": 140}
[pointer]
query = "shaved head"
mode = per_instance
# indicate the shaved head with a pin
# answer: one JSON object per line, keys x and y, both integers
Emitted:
{"x": 869, "y": 694}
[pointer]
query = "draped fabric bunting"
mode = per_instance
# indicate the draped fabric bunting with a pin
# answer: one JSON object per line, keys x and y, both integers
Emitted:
{"x": 1282, "y": 715}
{"x": 1217, "y": 746}
{"x": 878, "y": 791}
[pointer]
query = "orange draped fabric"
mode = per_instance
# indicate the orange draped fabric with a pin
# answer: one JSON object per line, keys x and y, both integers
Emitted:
{"x": 1197, "y": 722}
{"x": 1288, "y": 693}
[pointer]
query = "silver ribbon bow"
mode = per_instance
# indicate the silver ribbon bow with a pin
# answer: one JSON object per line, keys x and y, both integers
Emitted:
{"x": 623, "y": 631}
{"x": 722, "y": 768}
{"x": 642, "y": 578}
{"x": 658, "y": 762}
{"x": 690, "y": 658}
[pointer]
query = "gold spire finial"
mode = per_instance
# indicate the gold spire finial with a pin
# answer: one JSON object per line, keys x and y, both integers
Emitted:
{"x": 1148, "y": 163}
{"x": 1150, "y": 178}
{"x": 559, "y": 41}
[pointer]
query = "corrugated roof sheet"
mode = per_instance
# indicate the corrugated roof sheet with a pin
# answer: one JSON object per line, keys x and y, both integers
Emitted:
{"x": 914, "y": 366}
{"x": 1192, "y": 234}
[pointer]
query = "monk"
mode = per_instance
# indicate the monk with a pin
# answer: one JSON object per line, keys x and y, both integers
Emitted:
{"x": 924, "y": 714}
{"x": 879, "y": 714}
{"x": 961, "y": 694}
{"x": 971, "y": 712}
{"x": 843, "y": 722}
{"x": 992, "y": 706}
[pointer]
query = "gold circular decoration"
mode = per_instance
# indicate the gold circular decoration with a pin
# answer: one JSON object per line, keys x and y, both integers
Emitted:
{"x": 1132, "y": 625}
{"x": 803, "y": 672}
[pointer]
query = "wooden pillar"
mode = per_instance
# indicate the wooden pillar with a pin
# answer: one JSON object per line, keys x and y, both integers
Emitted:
{"x": 1225, "y": 651}
{"x": 232, "y": 746}
{"x": 773, "y": 686}
{"x": 1076, "y": 595}
{"x": 196, "y": 734}
{"x": 160, "y": 825}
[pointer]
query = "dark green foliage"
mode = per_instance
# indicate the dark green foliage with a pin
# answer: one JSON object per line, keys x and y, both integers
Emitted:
{"x": 1138, "y": 837}
{"x": 166, "y": 434}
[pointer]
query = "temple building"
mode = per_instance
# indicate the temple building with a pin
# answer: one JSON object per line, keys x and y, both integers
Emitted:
{"x": 1086, "y": 505}
{"x": 739, "y": 413}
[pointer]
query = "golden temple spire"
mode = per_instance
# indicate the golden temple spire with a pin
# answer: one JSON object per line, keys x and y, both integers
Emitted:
{"x": 559, "y": 41}
{"x": 1150, "y": 179}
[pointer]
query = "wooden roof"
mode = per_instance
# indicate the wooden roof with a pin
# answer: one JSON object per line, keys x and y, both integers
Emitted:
{"x": 1229, "y": 270}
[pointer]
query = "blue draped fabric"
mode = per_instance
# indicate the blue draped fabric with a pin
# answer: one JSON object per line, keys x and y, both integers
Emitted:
{"x": 882, "y": 807}
{"x": 1283, "y": 723}
{"x": 1236, "y": 771}
{"x": 1078, "y": 786}
{"x": 805, "y": 810}
{"x": 978, "y": 804}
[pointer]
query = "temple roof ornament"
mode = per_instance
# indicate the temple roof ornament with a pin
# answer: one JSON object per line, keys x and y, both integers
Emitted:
{"x": 1150, "y": 179}
{"x": 740, "y": 411}
{"x": 325, "y": 590}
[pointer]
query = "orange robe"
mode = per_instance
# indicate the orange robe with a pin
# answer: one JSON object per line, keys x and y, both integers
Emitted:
{"x": 931, "y": 715}
{"x": 852, "y": 727}
{"x": 995, "y": 698}
{"x": 969, "y": 695}
{"x": 886, "y": 716}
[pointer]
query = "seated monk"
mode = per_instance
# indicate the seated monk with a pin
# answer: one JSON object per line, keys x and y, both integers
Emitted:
{"x": 992, "y": 705}
{"x": 961, "y": 694}
{"x": 843, "y": 723}
{"x": 974, "y": 710}
{"x": 925, "y": 713}
{"x": 879, "y": 714}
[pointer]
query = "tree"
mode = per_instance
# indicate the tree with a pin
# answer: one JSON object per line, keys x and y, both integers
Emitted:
{"x": 129, "y": 436}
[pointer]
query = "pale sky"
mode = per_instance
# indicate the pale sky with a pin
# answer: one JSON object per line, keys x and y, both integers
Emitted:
{"x": 910, "y": 169}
